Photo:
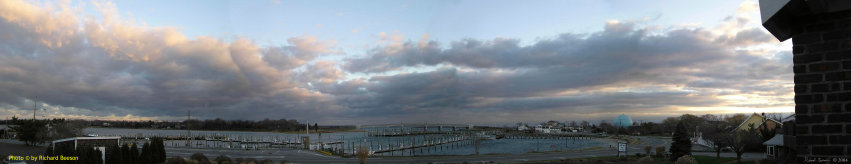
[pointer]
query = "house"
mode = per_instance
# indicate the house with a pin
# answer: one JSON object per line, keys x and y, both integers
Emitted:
{"x": 782, "y": 147}
{"x": 772, "y": 146}
{"x": 574, "y": 129}
{"x": 553, "y": 124}
{"x": 98, "y": 143}
{"x": 758, "y": 121}
{"x": 7, "y": 132}
{"x": 546, "y": 129}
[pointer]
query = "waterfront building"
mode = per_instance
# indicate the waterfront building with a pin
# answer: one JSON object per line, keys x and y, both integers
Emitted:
{"x": 546, "y": 129}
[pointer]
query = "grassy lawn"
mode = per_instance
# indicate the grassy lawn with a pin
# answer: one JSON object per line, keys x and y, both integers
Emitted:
{"x": 712, "y": 159}
{"x": 588, "y": 159}
{"x": 700, "y": 159}
{"x": 705, "y": 159}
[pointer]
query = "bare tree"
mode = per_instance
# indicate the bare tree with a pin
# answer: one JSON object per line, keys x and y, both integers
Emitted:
{"x": 717, "y": 136}
{"x": 736, "y": 119}
{"x": 740, "y": 139}
{"x": 669, "y": 124}
{"x": 715, "y": 130}
{"x": 710, "y": 117}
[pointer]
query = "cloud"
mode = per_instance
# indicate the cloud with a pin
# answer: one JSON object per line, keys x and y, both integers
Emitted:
{"x": 111, "y": 67}
{"x": 623, "y": 68}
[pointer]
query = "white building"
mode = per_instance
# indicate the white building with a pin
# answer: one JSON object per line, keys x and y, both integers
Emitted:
{"x": 542, "y": 129}
{"x": 522, "y": 128}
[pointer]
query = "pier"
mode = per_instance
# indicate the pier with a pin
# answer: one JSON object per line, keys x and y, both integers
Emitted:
{"x": 388, "y": 130}
{"x": 516, "y": 135}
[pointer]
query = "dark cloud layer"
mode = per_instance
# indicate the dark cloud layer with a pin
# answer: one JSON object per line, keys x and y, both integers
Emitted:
{"x": 622, "y": 69}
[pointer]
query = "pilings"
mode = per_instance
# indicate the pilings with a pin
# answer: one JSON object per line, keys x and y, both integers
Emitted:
{"x": 441, "y": 141}
{"x": 411, "y": 144}
{"x": 549, "y": 136}
{"x": 217, "y": 141}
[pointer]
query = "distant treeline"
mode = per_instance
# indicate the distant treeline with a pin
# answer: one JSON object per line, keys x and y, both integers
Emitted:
{"x": 214, "y": 124}
{"x": 264, "y": 125}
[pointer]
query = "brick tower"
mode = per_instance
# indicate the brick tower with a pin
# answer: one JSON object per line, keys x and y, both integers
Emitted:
{"x": 821, "y": 35}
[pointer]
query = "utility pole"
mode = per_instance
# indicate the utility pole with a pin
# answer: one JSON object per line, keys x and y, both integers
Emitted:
{"x": 35, "y": 103}
{"x": 306, "y": 139}
{"x": 188, "y": 131}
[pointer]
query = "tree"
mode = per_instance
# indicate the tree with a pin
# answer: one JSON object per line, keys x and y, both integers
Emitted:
{"x": 647, "y": 128}
{"x": 61, "y": 128}
{"x": 157, "y": 150}
{"x": 648, "y": 149}
{"x": 691, "y": 122}
{"x": 736, "y": 119}
{"x": 660, "y": 151}
{"x": 96, "y": 155}
{"x": 717, "y": 136}
{"x": 316, "y": 126}
{"x": 362, "y": 154}
{"x": 146, "y": 155}
{"x": 668, "y": 125}
{"x": 766, "y": 133}
{"x": 32, "y": 132}
{"x": 88, "y": 154}
{"x": 715, "y": 131}
{"x": 686, "y": 159}
{"x": 134, "y": 154}
{"x": 114, "y": 155}
{"x": 49, "y": 152}
{"x": 710, "y": 117}
{"x": 740, "y": 139}
{"x": 125, "y": 154}
{"x": 83, "y": 155}
{"x": 606, "y": 127}
{"x": 681, "y": 142}
{"x": 200, "y": 158}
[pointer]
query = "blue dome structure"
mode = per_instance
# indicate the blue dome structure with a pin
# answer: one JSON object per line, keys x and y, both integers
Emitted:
{"x": 622, "y": 121}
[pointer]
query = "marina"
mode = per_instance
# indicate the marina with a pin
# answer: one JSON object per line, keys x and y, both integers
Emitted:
{"x": 381, "y": 141}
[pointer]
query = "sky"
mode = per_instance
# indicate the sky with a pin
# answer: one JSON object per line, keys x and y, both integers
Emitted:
{"x": 389, "y": 61}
